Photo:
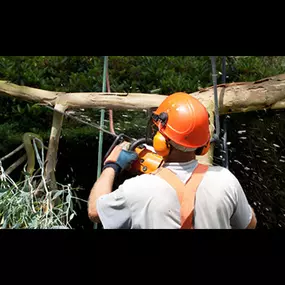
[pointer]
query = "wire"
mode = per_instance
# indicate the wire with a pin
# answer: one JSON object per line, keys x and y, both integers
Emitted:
{"x": 99, "y": 167}
{"x": 224, "y": 75}
{"x": 225, "y": 136}
{"x": 225, "y": 146}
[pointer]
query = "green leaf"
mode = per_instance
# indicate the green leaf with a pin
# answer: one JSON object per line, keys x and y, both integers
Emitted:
{"x": 17, "y": 226}
{"x": 59, "y": 192}
{"x": 71, "y": 217}
{"x": 33, "y": 224}
{"x": 4, "y": 224}
{"x": 2, "y": 190}
{"x": 71, "y": 204}
{"x": 68, "y": 198}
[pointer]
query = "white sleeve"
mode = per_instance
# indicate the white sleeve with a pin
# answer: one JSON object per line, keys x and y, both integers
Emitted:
{"x": 113, "y": 210}
{"x": 242, "y": 211}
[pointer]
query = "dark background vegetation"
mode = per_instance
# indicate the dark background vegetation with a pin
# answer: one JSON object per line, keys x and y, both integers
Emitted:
{"x": 255, "y": 139}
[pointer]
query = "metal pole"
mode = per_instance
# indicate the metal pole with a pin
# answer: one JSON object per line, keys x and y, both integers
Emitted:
{"x": 102, "y": 120}
{"x": 224, "y": 75}
{"x": 214, "y": 76}
{"x": 225, "y": 136}
{"x": 102, "y": 115}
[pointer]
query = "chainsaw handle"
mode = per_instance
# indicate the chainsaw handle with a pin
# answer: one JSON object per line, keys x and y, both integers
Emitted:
{"x": 116, "y": 141}
{"x": 138, "y": 142}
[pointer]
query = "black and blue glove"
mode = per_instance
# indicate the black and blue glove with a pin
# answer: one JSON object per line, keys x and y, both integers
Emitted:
{"x": 120, "y": 158}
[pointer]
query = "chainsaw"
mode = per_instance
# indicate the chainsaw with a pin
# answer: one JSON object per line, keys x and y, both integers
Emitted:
{"x": 147, "y": 162}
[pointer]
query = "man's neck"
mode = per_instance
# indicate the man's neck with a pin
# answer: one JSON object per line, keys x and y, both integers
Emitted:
{"x": 178, "y": 156}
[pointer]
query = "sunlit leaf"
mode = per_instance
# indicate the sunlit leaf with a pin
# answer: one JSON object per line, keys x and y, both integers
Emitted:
{"x": 57, "y": 194}
{"x": 71, "y": 216}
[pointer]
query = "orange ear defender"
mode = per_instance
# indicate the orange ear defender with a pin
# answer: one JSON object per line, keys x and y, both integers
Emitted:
{"x": 160, "y": 145}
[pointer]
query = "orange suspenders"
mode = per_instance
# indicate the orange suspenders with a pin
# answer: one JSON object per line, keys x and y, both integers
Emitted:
{"x": 185, "y": 192}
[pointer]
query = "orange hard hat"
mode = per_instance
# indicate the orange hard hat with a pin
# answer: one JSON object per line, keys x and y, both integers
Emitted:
{"x": 183, "y": 119}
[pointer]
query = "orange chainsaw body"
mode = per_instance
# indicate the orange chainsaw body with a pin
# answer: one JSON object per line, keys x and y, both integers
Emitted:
{"x": 147, "y": 162}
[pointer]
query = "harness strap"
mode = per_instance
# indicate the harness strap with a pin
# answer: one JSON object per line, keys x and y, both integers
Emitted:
{"x": 186, "y": 192}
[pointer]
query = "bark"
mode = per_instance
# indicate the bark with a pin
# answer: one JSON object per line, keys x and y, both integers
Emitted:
{"x": 53, "y": 146}
{"x": 13, "y": 166}
{"x": 267, "y": 93}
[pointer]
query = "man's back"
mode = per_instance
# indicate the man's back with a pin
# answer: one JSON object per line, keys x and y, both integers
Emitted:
{"x": 149, "y": 202}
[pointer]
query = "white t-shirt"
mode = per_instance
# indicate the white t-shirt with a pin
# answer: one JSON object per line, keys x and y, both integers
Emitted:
{"x": 149, "y": 202}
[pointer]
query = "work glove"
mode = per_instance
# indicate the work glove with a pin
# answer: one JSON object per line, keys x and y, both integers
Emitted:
{"x": 120, "y": 158}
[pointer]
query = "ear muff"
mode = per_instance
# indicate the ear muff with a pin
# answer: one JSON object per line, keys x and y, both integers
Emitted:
{"x": 203, "y": 149}
{"x": 160, "y": 144}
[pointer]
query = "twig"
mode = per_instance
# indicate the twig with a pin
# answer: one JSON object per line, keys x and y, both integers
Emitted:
{"x": 32, "y": 196}
{"x": 11, "y": 153}
{"x": 40, "y": 162}
{"x": 79, "y": 199}
{"x": 4, "y": 176}
{"x": 13, "y": 166}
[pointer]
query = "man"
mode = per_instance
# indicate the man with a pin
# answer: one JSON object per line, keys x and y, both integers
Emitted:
{"x": 149, "y": 201}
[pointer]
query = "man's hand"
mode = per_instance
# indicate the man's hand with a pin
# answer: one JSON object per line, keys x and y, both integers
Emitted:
{"x": 120, "y": 158}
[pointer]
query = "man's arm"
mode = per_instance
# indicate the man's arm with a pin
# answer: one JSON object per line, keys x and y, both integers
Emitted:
{"x": 118, "y": 160}
{"x": 253, "y": 221}
{"x": 101, "y": 187}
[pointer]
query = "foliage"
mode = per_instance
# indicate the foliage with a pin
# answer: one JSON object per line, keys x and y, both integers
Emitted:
{"x": 20, "y": 208}
{"x": 164, "y": 74}
{"x": 159, "y": 74}
{"x": 132, "y": 73}
{"x": 26, "y": 205}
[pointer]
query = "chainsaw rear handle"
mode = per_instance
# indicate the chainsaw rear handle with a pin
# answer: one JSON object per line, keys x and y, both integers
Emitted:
{"x": 119, "y": 138}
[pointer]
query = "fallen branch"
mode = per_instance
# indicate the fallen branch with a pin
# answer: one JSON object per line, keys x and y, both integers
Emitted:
{"x": 13, "y": 166}
{"x": 233, "y": 97}
{"x": 12, "y": 152}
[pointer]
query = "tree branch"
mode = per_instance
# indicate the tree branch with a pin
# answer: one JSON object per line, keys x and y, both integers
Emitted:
{"x": 12, "y": 152}
{"x": 13, "y": 166}
{"x": 234, "y": 97}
